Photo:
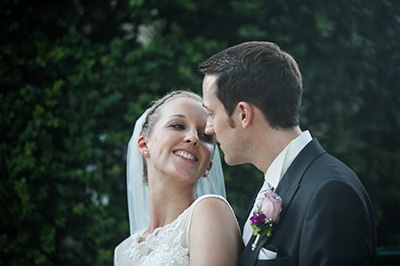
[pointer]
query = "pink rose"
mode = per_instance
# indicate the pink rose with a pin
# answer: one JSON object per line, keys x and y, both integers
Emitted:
{"x": 272, "y": 206}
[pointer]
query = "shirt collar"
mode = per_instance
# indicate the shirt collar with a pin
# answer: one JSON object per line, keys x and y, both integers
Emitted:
{"x": 285, "y": 158}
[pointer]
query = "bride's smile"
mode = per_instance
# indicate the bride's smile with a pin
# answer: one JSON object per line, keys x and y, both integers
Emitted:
{"x": 186, "y": 155}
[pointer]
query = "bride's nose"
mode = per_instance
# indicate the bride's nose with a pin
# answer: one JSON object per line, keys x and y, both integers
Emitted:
{"x": 191, "y": 137}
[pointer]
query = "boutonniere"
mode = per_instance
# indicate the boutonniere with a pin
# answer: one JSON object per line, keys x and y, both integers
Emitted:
{"x": 267, "y": 215}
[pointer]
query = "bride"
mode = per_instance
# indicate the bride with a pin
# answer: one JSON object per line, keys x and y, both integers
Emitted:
{"x": 169, "y": 171}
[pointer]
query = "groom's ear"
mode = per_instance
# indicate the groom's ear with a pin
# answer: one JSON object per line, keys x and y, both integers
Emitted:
{"x": 142, "y": 146}
{"x": 246, "y": 114}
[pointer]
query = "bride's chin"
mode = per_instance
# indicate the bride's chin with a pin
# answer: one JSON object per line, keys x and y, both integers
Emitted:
{"x": 187, "y": 175}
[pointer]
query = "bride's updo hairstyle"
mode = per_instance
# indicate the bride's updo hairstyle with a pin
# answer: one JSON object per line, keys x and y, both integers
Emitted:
{"x": 154, "y": 114}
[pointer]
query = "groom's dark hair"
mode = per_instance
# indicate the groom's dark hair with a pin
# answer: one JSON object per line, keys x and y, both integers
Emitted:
{"x": 261, "y": 74}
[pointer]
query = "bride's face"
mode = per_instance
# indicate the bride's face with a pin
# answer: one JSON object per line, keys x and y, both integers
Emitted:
{"x": 178, "y": 145}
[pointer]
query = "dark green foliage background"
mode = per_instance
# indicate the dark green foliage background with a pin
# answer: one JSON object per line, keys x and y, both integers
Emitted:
{"x": 75, "y": 75}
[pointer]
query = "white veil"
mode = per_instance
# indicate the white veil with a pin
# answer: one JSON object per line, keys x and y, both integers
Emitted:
{"x": 138, "y": 193}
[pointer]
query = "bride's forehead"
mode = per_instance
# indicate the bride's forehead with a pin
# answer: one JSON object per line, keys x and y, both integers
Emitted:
{"x": 184, "y": 106}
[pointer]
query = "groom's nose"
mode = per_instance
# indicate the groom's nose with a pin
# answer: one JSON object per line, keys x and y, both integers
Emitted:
{"x": 209, "y": 127}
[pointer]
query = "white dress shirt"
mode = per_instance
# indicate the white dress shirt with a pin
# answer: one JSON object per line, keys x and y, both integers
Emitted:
{"x": 275, "y": 173}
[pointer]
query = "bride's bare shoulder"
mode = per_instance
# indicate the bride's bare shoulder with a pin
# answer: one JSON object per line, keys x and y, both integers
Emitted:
{"x": 209, "y": 205}
{"x": 214, "y": 233}
{"x": 214, "y": 212}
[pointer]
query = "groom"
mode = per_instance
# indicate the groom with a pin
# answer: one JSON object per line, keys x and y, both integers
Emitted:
{"x": 252, "y": 93}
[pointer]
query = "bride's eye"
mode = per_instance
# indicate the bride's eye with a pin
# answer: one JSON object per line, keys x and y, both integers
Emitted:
{"x": 177, "y": 126}
{"x": 206, "y": 138}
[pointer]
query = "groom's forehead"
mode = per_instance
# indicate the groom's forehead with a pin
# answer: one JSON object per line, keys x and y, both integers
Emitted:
{"x": 210, "y": 82}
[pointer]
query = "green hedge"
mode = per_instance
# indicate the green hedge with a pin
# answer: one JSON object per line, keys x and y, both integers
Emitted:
{"x": 75, "y": 75}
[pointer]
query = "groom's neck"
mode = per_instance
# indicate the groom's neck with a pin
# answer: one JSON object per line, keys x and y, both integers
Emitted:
{"x": 270, "y": 143}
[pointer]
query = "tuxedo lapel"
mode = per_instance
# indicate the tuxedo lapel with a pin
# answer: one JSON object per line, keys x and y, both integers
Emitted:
{"x": 291, "y": 181}
{"x": 295, "y": 172}
{"x": 249, "y": 257}
{"x": 286, "y": 189}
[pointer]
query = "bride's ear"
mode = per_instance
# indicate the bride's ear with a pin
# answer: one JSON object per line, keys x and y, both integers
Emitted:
{"x": 208, "y": 169}
{"x": 209, "y": 166}
{"x": 142, "y": 146}
{"x": 246, "y": 114}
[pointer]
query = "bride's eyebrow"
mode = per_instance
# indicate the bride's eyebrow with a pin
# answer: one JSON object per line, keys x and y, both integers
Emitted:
{"x": 177, "y": 115}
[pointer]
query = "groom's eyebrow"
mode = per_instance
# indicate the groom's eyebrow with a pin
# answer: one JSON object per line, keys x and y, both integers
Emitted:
{"x": 208, "y": 109}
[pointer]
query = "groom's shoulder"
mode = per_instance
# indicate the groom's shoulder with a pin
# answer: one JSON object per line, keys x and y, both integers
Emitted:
{"x": 322, "y": 166}
{"x": 322, "y": 157}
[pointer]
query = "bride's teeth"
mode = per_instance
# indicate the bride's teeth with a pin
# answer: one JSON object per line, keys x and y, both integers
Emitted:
{"x": 185, "y": 155}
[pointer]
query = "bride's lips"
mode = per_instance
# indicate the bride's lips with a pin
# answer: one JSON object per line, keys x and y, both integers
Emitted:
{"x": 186, "y": 154}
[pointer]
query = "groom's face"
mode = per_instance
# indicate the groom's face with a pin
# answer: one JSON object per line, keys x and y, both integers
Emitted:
{"x": 219, "y": 123}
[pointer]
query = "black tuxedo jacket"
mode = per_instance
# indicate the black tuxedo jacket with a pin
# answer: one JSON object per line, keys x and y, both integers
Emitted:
{"x": 326, "y": 217}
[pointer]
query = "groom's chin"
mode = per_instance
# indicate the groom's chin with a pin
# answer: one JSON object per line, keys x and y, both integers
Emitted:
{"x": 230, "y": 162}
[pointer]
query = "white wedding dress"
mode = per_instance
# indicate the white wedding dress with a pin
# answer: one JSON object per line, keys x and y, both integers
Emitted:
{"x": 168, "y": 245}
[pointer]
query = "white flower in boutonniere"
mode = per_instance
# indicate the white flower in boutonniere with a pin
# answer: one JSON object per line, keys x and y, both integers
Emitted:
{"x": 263, "y": 220}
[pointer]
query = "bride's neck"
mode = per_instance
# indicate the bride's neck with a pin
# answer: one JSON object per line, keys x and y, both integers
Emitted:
{"x": 167, "y": 203}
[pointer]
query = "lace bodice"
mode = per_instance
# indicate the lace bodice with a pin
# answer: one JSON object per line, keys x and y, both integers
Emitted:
{"x": 168, "y": 245}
